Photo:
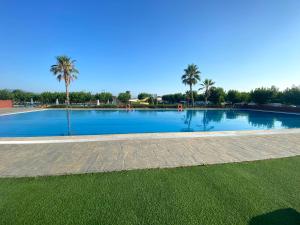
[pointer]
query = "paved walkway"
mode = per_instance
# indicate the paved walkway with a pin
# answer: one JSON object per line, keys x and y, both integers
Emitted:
{"x": 4, "y": 111}
{"x": 99, "y": 156}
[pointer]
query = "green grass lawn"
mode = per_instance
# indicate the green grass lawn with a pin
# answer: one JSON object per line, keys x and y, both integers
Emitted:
{"x": 264, "y": 192}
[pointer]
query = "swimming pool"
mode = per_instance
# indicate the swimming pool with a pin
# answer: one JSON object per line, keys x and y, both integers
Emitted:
{"x": 92, "y": 122}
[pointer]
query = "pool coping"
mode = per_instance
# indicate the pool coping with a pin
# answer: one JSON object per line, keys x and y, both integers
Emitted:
{"x": 141, "y": 136}
{"x": 144, "y": 109}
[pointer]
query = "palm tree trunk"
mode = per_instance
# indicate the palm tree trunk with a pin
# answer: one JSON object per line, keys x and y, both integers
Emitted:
{"x": 192, "y": 95}
{"x": 206, "y": 95}
{"x": 67, "y": 93}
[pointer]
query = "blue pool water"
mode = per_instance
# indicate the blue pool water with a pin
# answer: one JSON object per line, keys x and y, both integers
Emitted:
{"x": 91, "y": 122}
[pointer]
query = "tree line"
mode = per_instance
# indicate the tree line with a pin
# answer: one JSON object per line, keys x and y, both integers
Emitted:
{"x": 290, "y": 96}
{"x": 217, "y": 95}
{"x": 19, "y": 96}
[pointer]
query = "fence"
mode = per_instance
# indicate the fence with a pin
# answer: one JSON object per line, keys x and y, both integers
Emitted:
{"x": 6, "y": 104}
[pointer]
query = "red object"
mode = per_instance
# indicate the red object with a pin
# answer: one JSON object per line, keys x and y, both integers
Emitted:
{"x": 180, "y": 107}
{"x": 6, "y": 103}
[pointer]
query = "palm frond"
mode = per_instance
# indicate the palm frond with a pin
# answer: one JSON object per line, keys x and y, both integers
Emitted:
{"x": 64, "y": 68}
{"x": 191, "y": 75}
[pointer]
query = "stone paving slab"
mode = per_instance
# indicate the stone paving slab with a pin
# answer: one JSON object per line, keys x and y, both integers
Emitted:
{"x": 40, "y": 159}
{"x": 8, "y": 111}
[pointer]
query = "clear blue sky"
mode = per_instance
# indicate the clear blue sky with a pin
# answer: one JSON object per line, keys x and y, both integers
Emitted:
{"x": 144, "y": 45}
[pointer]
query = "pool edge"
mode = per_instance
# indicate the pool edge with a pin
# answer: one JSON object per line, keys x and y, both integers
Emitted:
{"x": 141, "y": 136}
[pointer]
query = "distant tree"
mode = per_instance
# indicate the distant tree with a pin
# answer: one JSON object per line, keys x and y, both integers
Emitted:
{"x": 245, "y": 97}
{"x": 6, "y": 94}
{"x": 104, "y": 97}
{"x": 200, "y": 97}
{"x": 264, "y": 95}
{"x": 151, "y": 100}
{"x": 233, "y": 96}
{"x": 291, "y": 96}
{"x": 50, "y": 97}
{"x": 217, "y": 95}
{"x": 206, "y": 86}
{"x": 173, "y": 98}
{"x": 190, "y": 77}
{"x": 144, "y": 95}
{"x": 178, "y": 97}
{"x": 18, "y": 95}
{"x": 36, "y": 97}
{"x": 22, "y": 96}
{"x": 65, "y": 70}
{"x": 45, "y": 97}
{"x": 188, "y": 94}
{"x": 276, "y": 94}
{"x": 168, "y": 98}
{"x": 124, "y": 97}
{"x": 80, "y": 97}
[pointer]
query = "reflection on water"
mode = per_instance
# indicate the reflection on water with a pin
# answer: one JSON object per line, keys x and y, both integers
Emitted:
{"x": 231, "y": 114}
{"x": 206, "y": 120}
{"x": 207, "y": 116}
{"x": 290, "y": 123}
{"x": 68, "y": 122}
{"x": 189, "y": 114}
{"x": 193, "y": 120}
{"x": 261, "y": 122}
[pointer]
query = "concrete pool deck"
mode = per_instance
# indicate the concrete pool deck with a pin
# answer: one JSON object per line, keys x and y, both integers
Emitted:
{"x": 43, "y": 156}
{"x": 77, "y": 157}
{"x": 10, "y": 111}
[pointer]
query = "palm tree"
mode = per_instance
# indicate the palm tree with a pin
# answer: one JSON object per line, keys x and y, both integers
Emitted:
{"x": 65, "y": 70}
{"x": 190, "y": 77}
{"x": 206, "y": 86}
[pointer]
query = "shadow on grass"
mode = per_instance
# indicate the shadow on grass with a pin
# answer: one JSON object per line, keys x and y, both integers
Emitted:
{"x": 287, "y": 216}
